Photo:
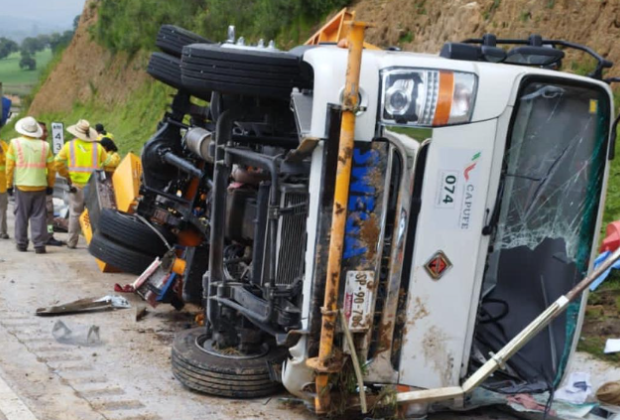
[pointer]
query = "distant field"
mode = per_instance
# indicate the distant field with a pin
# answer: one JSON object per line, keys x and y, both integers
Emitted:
{"x": 20, "y": 82}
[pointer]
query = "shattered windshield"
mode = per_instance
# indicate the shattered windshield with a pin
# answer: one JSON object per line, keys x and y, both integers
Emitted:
{"x": 555, "y": 165}
{"x": 549, "y": 199}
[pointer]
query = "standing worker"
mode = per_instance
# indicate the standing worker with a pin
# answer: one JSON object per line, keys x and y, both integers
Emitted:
{"x": 30, "y": 163}
{"x": 76, "y": 161}
{"x": 49, "y": 204}
{"x": 4, "y": 197}
{"x": 114, "y": 159}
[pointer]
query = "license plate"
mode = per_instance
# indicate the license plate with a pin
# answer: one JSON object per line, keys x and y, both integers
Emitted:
{"x": 358, "y": 298}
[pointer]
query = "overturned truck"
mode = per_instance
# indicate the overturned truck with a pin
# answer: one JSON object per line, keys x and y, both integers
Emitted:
{"x": 376, "y": 218}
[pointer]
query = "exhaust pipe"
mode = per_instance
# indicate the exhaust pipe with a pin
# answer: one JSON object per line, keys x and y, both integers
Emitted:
{"x": 198, "y": 141}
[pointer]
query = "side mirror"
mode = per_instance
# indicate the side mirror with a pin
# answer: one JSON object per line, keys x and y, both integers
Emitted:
{"x": 470, "y": 52}
{"x": 537, "y": 56}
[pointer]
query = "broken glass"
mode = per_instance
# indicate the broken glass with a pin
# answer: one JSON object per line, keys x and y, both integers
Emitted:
{"x": 552, "y": 180}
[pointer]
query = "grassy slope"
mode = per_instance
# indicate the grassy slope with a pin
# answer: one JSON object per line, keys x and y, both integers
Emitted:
{"x": 20, "y": 82}
{"x": 132, "y": 124}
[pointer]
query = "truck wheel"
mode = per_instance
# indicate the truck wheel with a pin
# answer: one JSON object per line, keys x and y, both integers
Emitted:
{"x": 119, "y": 256}
{"x": 222, "y": 374}
{"x": 130, "y": 231}
{"x": 172, "y": 39}
{"x": 166, "y": 69}
{"x": 250, "y": 72}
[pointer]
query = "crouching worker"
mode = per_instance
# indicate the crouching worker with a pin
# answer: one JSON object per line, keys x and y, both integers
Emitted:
{"x": 114, "y": 159}
{"x": 30, "y": 166}
{"x": 76, "y": 161}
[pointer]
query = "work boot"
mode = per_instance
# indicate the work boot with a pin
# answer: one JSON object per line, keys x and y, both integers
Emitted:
{"x": 22, "y": 248}
{"x": 4, "y": 236}
{"x": 54, "y": 242}
{"x": 40, "y": 250}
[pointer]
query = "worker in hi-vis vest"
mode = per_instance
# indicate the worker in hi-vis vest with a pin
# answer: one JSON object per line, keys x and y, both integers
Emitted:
{"x": 76, "y": 161}
{"x": 4, "y": 197}
{"x": 30, "y": 167}
{"x": 114, "y": 159}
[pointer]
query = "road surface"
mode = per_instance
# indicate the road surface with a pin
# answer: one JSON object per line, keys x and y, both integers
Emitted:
{"x": 127, "y": 377}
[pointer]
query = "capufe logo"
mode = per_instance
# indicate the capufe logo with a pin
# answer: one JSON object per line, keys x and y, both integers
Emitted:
{"x": 470, "y": 167}
{"x": 469, "y": 190}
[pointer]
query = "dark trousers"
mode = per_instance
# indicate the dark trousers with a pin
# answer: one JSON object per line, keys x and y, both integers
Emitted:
{"x": 49, "y": 208}
{"x": 30, "y": 207}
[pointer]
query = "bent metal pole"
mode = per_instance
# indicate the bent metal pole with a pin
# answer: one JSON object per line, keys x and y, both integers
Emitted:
{"x": 498, "y": 360}
{"x": 339, "y": 213}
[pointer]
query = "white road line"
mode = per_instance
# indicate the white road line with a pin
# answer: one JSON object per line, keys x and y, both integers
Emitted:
{"x": 11, "y": 405}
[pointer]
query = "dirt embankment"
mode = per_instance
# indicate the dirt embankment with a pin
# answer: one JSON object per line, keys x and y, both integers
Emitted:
{"x": 424, "y": 25}
{"x": 88, "y": 71}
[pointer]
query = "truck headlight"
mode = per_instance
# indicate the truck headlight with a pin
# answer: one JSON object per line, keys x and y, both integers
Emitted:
{"x": 427, "y": 98}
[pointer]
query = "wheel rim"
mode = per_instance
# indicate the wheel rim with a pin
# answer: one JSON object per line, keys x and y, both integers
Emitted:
{"x": 207, "y": 346}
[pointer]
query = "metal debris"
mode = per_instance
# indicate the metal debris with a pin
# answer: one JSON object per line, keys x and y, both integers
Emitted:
{"x": 110, "y": 302}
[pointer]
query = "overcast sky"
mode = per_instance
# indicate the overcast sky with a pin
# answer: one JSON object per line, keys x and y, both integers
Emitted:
{"x": 59, "y": 11}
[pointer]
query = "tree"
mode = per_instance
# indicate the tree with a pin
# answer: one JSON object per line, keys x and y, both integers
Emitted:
{"x": 7, "y": 47}
{"x": 43, "y": 41}
{"x": 27, "y": 62}
{"x": 76, "y": 22}
{"x": 32, "y": 45}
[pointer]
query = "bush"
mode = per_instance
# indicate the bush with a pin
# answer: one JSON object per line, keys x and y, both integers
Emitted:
{"x": 132, "y": 25}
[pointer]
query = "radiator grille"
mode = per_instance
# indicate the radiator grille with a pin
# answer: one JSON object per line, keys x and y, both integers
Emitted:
{"x": 291, "y": 235}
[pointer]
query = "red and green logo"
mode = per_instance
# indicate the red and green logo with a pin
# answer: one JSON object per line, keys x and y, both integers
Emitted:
{"x": 471, "y": 165}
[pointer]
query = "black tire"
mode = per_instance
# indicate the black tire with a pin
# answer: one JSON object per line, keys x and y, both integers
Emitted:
{"x": 172, "y": 39}
{"x": 222, "y": 376}
{"x": 250, "y": 72}
{"x": 130, "y": 231}
{"x": 166, "y": 69}
{"x": 118, "y": 256}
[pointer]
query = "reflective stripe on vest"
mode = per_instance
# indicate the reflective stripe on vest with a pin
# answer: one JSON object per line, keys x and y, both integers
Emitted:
{"x": 81, "y": 162}
{"x": 77, "y": 160}
{"x": 31, "y": 162}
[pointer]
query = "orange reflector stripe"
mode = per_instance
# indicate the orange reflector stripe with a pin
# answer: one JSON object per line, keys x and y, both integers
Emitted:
{"x": 444, "y": 99}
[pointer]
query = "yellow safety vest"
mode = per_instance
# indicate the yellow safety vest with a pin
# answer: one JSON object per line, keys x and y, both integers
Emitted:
{"x": 30, "y": 162}
{"x": 3, "y": 149}
{"x": 84, "y": 159}
{"x": 112, "y": 162}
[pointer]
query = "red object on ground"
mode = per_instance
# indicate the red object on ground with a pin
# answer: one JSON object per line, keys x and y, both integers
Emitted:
{"x": 612, "y": 237}
{"x": 128, "y": 288}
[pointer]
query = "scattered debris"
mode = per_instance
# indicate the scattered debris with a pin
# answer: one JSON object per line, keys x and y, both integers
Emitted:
{"x": 612, "y": 345}
{"x": 577, "y": 389}
{"x": 141, "y": 312}
{"x": 157, "y": 284}
{"x": 530, "y": 405}
{"x": 609, "y": 393}
{"x": 78, "y": 335}
{"x": 86, "y": 305}
{"x": 599, "y": 260}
